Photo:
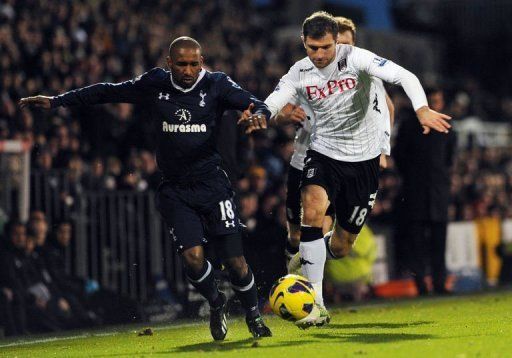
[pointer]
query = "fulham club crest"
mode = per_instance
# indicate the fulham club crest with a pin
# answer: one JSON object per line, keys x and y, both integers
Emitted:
{"x": 342, "y": 64}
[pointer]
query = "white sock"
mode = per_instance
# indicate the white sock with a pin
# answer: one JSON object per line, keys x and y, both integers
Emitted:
{"x": 319, "y": 296}
{"x": 312, "y": 255}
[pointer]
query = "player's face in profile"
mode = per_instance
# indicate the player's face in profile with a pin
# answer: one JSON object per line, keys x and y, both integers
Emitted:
{"x": 185, "y": 65}
{"x": 321, "y": 51}
{"x": 346, "y": 38}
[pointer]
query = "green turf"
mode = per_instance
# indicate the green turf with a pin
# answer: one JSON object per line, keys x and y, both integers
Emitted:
{"x": 469, "y": 326}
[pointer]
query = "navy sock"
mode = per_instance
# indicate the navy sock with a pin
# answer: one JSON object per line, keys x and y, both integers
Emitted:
{"x": 246, "y": 291}
{"x": 204, "y": 283}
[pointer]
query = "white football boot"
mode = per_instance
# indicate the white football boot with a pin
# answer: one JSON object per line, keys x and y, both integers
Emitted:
{"x": 318, "y": 317}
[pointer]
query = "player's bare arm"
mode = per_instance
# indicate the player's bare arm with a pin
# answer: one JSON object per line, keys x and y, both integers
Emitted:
{"x": 290, "y": 114}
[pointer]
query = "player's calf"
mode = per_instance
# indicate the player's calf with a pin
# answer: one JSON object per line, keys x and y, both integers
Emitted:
{"x": 339, "y": 245}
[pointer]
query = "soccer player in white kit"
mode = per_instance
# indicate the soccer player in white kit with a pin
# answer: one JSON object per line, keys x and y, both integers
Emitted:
{"x": 302, "y": 115}
{"x": 342, "y": 163}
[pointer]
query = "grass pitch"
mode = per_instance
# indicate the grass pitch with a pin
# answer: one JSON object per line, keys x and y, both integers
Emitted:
{"x": 467, "y": 326}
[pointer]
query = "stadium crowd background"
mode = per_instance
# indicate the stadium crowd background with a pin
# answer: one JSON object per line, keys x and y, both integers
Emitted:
{"x": 49, "y": 47}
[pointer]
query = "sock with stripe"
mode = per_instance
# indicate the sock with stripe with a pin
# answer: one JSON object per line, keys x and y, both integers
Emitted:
{"x": 246, "y": 291}
{"x": 204, "y": 283}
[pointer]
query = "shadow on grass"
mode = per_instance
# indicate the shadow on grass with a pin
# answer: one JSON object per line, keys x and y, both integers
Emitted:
{"x": 373, "y": 337}
{"x": 378, "y": 325}
{"x": 249, "y": 343}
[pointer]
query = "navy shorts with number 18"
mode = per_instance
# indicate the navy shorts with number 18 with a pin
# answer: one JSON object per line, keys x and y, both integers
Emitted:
{"x": 202, "y": 211}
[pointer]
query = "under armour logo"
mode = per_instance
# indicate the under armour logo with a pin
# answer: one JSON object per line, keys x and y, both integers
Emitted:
{"x": 230, "y": 223}
{"x": 303, "y": 262}
{"x": 202, "y": 103}
{"x": 165, "y": 96}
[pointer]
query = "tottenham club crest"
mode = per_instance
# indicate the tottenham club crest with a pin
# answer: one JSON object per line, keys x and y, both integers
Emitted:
{"x": 311, "y": 173}
{"x": 183, "y": 115}
{"x": 202, "y": 103}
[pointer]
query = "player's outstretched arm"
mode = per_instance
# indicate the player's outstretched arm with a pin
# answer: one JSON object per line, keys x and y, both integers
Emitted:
{"x": 132, "y": 91}
{"x": 36, "y": 101}
{"x": 388, "y": 71}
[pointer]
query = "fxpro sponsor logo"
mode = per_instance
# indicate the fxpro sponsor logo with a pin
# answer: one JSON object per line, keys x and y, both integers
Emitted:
{"x": 183, "y": 128}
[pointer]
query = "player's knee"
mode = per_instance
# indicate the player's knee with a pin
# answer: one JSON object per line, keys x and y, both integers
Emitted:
{"x": 237, "y": 267}
{"x": 194, "y": 259}
{"x": 312, "y": 214}
{"x": 313, "y": 208}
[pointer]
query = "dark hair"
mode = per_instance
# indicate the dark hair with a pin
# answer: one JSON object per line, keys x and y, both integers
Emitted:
{"x": 183, "y": 42}
{"x": 319, "y": 24}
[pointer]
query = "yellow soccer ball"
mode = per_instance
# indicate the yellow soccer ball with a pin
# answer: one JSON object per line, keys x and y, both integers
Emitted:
{"x": 292, "y": 297}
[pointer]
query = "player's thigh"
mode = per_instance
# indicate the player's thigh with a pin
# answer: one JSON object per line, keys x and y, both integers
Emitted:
{"x": 224, "y": 229}
{"x": 183, "y": 223}
{"x": 357, "y": 195}
{"x": 293, "y": 205}
{"x": 318, "y": 188}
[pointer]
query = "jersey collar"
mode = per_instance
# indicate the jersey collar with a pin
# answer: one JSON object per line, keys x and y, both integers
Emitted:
{"x": 185, "y": 90}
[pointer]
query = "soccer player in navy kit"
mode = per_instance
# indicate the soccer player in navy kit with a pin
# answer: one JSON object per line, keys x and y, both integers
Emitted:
{"x": 195, "y": 197}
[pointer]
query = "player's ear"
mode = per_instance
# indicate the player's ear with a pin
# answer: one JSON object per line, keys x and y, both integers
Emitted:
{"x": 202, "y": 61}
{"x": 303, "y": 40}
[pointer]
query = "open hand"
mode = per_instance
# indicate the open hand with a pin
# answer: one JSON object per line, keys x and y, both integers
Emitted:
{"x": 430, "y": 119}
{"x": 36, "y": 101}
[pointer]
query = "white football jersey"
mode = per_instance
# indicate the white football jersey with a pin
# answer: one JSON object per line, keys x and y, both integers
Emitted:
{"x": 346, "y": 103}
{"x": 302, "y": 137}
{"x": 384, "y": 122}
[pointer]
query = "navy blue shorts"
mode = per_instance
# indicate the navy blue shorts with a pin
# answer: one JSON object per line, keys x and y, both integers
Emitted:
{"x": 197, "y": 212}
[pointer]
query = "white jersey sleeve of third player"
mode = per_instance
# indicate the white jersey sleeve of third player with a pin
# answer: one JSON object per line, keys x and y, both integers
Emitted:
{"x": 346, "y": 102}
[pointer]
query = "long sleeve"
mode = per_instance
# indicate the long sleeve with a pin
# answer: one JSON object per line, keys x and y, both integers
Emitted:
{"x": 132, "y": 91}
{"x": 389, "y": 71}
{"x": 235, "y": 97}
{"x": 284, "y": 93}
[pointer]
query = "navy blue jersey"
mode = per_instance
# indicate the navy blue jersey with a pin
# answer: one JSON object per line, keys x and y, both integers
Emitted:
{"x": 183, "y": 119}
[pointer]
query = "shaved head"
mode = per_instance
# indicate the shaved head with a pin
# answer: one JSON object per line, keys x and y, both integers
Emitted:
{"x": 183, "y": 42}
{"x": 185, "y": 61}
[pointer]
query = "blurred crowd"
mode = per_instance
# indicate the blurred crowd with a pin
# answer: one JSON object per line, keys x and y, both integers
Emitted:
{"x": 70, "y": 44}
{"x": 37, "y": 292}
